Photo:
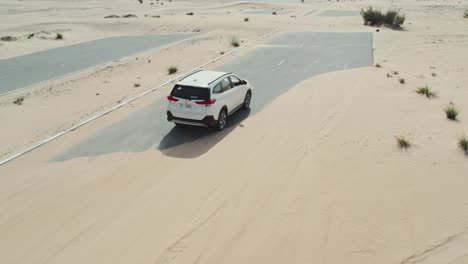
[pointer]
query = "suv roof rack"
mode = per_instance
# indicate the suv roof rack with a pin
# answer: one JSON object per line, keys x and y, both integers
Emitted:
{"x": 199, "y": 70}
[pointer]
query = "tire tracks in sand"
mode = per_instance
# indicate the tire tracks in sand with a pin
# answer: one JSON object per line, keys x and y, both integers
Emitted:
{"x": 451, "y": 250}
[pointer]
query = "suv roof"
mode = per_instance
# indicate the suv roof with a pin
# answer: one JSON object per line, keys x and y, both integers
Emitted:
{"x": 201, "y": 78}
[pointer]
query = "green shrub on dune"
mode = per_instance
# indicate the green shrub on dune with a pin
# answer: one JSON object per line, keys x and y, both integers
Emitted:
{"x": 391, "y": 18}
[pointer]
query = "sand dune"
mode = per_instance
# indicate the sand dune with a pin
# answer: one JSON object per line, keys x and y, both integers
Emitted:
{"x": 316, "y": 177}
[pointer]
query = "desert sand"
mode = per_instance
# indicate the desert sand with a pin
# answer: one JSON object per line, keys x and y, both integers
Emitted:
{"x": 316, "y": 177}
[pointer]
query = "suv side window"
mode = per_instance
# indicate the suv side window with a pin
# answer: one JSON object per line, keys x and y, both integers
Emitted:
{"x": 217, "y": 89}
{"x": 225, "y": 84}
{"x": 235, "y": 81}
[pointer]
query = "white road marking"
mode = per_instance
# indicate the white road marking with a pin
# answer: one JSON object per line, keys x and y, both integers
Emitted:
{"x": 302, "y": 45}
{"x": 1, "y": 77}
{"x": 317, "y": 61}
{"x": 281, "y": 62}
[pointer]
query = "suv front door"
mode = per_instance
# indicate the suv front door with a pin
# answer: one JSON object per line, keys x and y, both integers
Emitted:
{"x": 228, "y": 94}
{"x": 239, "y": 91}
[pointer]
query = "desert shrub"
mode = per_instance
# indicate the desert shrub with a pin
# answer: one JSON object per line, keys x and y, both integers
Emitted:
{"x": 465, "y": 15}
{"x": 19, "y": 101}
{"x": 172, "y": 70}
{"x": 399, "y": 20}
{"x": 403, "y": 143}
{"x": 390, "y": 16}
{"x": 426, "y": 91}
{"x": 463, "y": 144}
{"x": 59, "y": 36}
{"x": 235, "y": 41}
{"x": 246, "y": 19}
{"x": 8, "y": 38}
{"x": 451, "y": 112}
{"x": 190, "y": 14}
{"x": 374, "y": 17}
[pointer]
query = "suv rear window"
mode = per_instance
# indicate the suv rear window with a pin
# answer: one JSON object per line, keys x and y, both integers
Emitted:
{"x": 190, "y": 92}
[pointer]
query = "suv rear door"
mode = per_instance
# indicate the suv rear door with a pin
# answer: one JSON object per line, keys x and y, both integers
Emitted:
{"x": 186, "y": 105}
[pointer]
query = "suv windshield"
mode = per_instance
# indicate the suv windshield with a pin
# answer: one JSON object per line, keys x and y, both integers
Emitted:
{"x": 190, "y": 92}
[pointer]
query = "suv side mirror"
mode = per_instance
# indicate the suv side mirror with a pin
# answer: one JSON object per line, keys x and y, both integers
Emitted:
{"x": 243, "y": 82}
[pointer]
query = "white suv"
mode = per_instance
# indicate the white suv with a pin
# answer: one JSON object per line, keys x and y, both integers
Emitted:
{"x": 207, "y": 98}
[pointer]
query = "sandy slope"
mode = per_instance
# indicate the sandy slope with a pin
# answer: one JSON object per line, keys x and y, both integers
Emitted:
{"x": 331, "y": 187}
{"x": 314, "y": 178}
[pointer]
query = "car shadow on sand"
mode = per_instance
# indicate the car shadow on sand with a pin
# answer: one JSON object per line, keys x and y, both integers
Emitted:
{"x": 190, "y": 141}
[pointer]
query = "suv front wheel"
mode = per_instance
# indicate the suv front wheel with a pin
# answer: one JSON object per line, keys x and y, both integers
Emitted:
{"x": 222, "y": 120}
{"x": 247, "y": 99}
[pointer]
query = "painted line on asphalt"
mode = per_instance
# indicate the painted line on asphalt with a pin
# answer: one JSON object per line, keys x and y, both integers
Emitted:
{"x": 47, "y": 140}
{"x": 302, "y": 45}
{"x": 281, "y": 62}
{"x": 99, "y": 65}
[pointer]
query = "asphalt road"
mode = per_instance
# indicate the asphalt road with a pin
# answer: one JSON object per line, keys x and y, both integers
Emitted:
{"x": 273, "y": 69}
{"x": 22, "y": 71}
{"x": 340, "y": 13}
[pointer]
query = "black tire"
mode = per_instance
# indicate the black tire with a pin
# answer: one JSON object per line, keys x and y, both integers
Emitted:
{"x": 247, "y": 100}
{"x": 222, "y": 120}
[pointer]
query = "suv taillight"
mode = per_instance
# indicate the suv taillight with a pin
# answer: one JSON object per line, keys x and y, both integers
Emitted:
{"x": 172, "y": 98}
{"x": 206, "y": 102}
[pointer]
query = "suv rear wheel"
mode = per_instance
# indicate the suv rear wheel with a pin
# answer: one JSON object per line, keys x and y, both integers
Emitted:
{"x": 222, "y": 120}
